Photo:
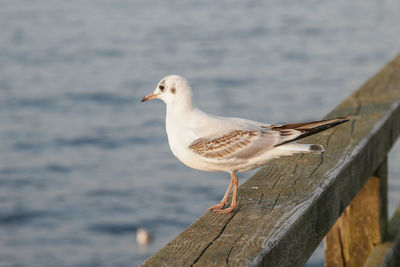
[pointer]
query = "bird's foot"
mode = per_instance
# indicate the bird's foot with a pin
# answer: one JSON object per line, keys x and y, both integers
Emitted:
{"x": 227, "y": 210}
{"x": 218, "y": 206}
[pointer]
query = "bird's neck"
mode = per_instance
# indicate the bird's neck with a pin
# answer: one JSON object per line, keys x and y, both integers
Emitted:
{"x": 180, "y": 109}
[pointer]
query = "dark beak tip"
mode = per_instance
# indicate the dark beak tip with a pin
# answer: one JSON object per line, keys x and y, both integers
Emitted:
{"x": 143, "y": 99}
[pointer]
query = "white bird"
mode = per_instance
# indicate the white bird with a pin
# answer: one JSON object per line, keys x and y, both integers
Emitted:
{"x": 212, "y": 143}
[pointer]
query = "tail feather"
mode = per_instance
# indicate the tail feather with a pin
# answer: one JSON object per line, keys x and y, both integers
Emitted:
{"x": 309, "y": 128}
{"x": 302, "y": 148}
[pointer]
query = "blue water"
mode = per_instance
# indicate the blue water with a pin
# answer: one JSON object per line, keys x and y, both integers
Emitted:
{"x": 83, "y": 163}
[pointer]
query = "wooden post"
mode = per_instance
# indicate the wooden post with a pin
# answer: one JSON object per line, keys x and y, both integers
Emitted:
{"x": 361, "y": 226}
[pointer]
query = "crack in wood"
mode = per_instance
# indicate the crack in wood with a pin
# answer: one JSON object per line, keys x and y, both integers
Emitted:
{"x": 259, "y": 202}
{"x": 293, "y": 172}
{"x": 319, "y": 165}
{"x": 209, "y": 244}
{"x": 341, "y": 247}
{"x": 229, "y": 253}
{"x": 276, "y": 201}
{"x": 277, "y": 180}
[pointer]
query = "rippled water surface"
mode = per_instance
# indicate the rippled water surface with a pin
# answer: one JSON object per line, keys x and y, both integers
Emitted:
{"x": 83, "y": 163}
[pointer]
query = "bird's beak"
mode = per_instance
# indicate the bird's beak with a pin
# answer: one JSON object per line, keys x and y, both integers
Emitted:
{"x": 149, "y": 97}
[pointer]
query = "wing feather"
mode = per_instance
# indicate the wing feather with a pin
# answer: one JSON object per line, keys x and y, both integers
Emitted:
{"x": 243, "y": 144}
{"x": 307, "y": 128}
{"x": 237, "y": 143}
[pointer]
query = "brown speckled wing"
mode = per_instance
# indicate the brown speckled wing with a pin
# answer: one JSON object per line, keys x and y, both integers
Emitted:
{"x": 238, "y": 143}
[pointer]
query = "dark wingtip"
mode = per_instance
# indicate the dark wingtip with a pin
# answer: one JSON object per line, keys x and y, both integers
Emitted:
{"x": 323, "y": 127}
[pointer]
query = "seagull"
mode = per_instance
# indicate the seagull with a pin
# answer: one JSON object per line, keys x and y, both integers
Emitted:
{"x": 226, "y": 144}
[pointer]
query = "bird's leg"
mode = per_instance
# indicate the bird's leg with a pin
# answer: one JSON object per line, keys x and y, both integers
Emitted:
{"x": 234, "y": 183}
{"x": 224, "y": 200}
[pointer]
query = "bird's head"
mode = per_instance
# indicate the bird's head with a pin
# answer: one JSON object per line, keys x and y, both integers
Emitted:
{"x": 171, "y": 89}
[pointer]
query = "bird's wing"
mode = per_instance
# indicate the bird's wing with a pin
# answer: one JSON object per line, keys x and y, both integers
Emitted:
{"x": 238, "y": 143}
{"x": 244, "y": 143}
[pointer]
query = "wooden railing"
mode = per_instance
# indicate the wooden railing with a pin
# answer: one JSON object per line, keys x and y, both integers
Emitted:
{"x": 289, "y": 206}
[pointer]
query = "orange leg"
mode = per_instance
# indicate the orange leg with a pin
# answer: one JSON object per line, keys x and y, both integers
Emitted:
{"x": 233, "y": 184}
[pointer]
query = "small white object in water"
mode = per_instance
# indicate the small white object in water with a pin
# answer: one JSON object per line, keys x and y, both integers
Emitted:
{"x": 142, "y": 237}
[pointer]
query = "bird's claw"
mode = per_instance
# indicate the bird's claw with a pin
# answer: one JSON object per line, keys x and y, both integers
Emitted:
{"x": 218, "y": 206}
{"x": 227, "y": 210}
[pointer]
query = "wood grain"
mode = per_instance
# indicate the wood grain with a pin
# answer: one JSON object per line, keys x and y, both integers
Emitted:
{"x": 387, "y": 253}
{"x": 287, "y": 207}
{"x": 361, "y": 226}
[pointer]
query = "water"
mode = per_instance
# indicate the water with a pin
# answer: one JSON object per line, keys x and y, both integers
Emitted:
{"x": 83, "y": 163}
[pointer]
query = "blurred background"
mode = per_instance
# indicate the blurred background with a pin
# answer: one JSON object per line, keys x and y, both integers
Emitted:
{"x": 84, "y": 164}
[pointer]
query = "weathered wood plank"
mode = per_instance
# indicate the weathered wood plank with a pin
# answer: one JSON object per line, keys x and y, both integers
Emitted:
{"x": 287, "y": 207}
{"x": 361, "y": 226}
{"x": 387, "y": 253}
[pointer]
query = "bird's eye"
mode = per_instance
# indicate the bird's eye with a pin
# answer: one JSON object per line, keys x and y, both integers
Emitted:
{"x": 162, "y": 87}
